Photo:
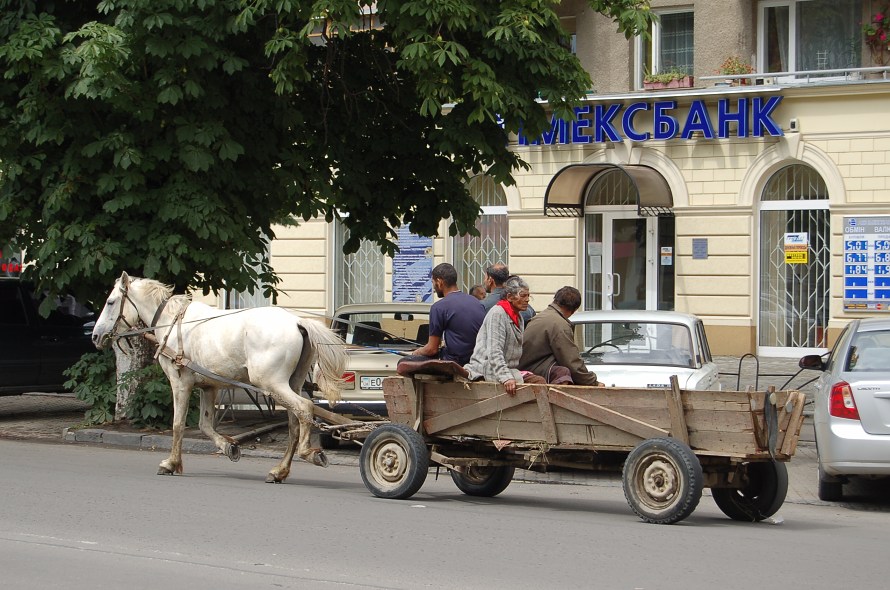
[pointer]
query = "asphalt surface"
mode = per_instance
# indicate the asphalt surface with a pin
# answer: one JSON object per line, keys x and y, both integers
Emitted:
{"x": 59, "y": 418}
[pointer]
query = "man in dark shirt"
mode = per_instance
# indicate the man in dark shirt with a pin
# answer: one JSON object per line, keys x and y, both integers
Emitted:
{"x": 495, "y": 276}
{"x": 455, "y": 317}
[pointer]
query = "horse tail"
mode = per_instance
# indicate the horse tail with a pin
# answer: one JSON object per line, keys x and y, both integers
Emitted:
{"x": 331, "y": 354}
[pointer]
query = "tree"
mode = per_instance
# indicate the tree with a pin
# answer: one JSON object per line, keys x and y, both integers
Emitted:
{"x": 168, "y": 137}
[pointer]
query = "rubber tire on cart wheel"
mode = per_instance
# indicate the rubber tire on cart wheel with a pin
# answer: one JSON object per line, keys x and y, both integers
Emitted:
{"x": 662, "y": 480}
{"x": 487, "y": 482}
{"x": 394, "y": 461}
{"x": 830, "y": 490}
{"x": 763, "y": 493}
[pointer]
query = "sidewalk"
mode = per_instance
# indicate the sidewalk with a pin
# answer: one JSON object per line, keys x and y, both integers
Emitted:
{"x": 57, "y": 417}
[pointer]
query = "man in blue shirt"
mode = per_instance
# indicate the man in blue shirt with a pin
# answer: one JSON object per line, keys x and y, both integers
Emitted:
{"x": 454, "y": 318}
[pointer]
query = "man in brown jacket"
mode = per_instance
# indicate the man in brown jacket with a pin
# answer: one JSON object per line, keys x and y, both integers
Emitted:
{"x": 548, "y": 345}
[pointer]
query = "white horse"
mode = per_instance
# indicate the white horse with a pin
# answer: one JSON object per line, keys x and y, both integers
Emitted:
{"x": 267, "y": 347}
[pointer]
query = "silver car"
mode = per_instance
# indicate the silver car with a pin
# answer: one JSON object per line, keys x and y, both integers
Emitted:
{"x": 642, "y": 349}
{"x": 377, "y": 335}
{"x": 852, "y": 406}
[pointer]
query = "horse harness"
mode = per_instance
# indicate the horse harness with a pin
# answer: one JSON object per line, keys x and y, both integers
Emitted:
{"x": 177, "y": 357}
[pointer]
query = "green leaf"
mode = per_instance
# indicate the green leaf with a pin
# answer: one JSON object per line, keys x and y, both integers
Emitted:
{"x": 170, "y": 95}
{"x": 230, "y": 150}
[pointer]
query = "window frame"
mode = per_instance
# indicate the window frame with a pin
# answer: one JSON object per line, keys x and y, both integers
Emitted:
{"x": 793, "y": 41}
{"x": 639, "y": 62}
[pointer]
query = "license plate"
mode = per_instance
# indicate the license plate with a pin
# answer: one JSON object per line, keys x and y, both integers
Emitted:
{"x": 371, "y": 383}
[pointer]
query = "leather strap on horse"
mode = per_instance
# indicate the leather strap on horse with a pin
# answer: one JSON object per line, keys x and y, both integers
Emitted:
{"x": 181, "y": 361}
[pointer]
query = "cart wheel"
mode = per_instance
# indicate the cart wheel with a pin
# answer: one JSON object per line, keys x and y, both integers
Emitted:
{"x": 662, "y": 480}
{"x": 761, "y": 496}
{"x": 394, "y": 461}
{"x": 483, "y": 481}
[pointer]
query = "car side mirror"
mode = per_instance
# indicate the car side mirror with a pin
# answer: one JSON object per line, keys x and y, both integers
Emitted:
{"x": 812, "y": 361}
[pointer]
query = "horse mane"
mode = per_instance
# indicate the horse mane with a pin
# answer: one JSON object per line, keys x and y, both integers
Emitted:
{"x": 158, "y": 291}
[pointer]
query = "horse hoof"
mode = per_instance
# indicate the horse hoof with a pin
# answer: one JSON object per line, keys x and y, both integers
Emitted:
{"x": 164, "y": 471}
{"x": 233, "y": 451}
{"x": 319, "y": 458}
{"x": 271, "y": 479}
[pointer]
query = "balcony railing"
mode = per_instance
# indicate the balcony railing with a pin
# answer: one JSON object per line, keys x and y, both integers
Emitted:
{"x": 805, "y": 76}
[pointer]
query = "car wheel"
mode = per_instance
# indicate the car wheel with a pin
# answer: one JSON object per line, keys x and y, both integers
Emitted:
{"x": 830, "y": 489}
{"x": 662, "y": 480}
{"x": 761, "y": 495}
{"x": 394, "y": 461}
{"x": 483, "y": 481}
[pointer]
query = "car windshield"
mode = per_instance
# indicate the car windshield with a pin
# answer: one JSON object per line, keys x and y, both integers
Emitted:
{"x": 869, "y": 351}
{"x": 397, "y": 330}
{"x": 635, "y": 343}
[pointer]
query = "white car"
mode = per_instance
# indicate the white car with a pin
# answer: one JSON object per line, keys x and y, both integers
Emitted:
{"x": 642, "y": 349}
{"x": 377, "y": 335}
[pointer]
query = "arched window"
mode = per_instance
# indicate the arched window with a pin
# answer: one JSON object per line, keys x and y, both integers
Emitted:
{"x": 794, "y": 288}
{"x": 472, "y": 254}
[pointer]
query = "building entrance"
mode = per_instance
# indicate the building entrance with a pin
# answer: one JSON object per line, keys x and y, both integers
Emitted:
{"x": 628, "y": 261}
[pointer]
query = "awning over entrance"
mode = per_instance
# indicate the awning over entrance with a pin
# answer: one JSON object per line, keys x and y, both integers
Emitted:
{"x": 568, "y": 188}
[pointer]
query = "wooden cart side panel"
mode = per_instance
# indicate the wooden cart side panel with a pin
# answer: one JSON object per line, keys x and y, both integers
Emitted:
{"x": 716, "y": 422}
{"x": 585, "y": 407}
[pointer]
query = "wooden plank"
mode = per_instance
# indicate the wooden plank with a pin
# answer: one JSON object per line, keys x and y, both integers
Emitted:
{"x": 675, "y": 409}
{"x": 604, "y": 415}
{"x": 723, "y": 442}
{"x": 549, "y": 425}
{"x": 757, "y": 420}
{"x": 330, "y": 417}
{"x": 483, "y": 408}
{"x": 415, "y": 402}
{"x": 791, "y": 435}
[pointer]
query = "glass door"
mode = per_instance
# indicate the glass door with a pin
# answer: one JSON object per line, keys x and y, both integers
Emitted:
{"x": 627, "y": 264}
{"x": 628, "y": 261}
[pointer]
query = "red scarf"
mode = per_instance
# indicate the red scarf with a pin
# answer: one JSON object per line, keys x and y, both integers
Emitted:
{"x": 508, "y": 307}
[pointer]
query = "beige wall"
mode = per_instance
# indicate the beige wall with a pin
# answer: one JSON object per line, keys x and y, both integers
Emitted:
{"x": 721, "y": 29}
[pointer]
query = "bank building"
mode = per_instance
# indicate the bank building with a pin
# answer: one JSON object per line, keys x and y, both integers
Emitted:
{"x": 748, "y": 183}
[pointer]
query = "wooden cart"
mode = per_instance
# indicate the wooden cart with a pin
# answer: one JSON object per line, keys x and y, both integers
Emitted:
{"x": 668, "y": 444}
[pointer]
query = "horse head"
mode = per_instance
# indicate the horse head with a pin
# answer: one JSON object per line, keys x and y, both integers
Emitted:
{"x": 116, "y": 311}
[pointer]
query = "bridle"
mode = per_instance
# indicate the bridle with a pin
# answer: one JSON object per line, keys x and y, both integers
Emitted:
{"x": 124, "y": 289}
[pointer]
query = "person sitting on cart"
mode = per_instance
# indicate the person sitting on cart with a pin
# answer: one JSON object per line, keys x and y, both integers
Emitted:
{"x": 499, "y": 342}
{"x": 548, "y": 345}
{"x": 455, "y": 317}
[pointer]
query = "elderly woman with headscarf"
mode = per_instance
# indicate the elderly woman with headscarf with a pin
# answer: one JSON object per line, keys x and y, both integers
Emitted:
{"x": 499, "y": 341}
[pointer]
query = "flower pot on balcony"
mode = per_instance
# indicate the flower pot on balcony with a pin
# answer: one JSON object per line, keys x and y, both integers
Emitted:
{"x": 684, "y": 82}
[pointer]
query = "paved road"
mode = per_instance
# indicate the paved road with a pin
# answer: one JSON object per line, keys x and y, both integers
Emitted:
{"x": 45, "y": 417}
{"x": 81, "y": 517}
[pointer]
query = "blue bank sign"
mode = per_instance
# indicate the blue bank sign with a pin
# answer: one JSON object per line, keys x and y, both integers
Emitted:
{"x": 659, "y": 120}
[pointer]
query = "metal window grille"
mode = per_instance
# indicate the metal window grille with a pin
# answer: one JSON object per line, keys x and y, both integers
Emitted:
{"x": 612, "y": 187}
{"x": 472, "y": 254}
{"x": 244, "y": 299}
{"x": 358, "y": 277}
{"x": 794, "y": 298}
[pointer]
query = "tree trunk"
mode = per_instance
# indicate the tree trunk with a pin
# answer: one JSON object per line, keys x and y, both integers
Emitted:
{"x": 136, "y": 356}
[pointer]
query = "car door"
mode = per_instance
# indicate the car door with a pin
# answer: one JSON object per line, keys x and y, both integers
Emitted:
{"x": 19, "y": 355}
{"x": 61, "y": 339}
